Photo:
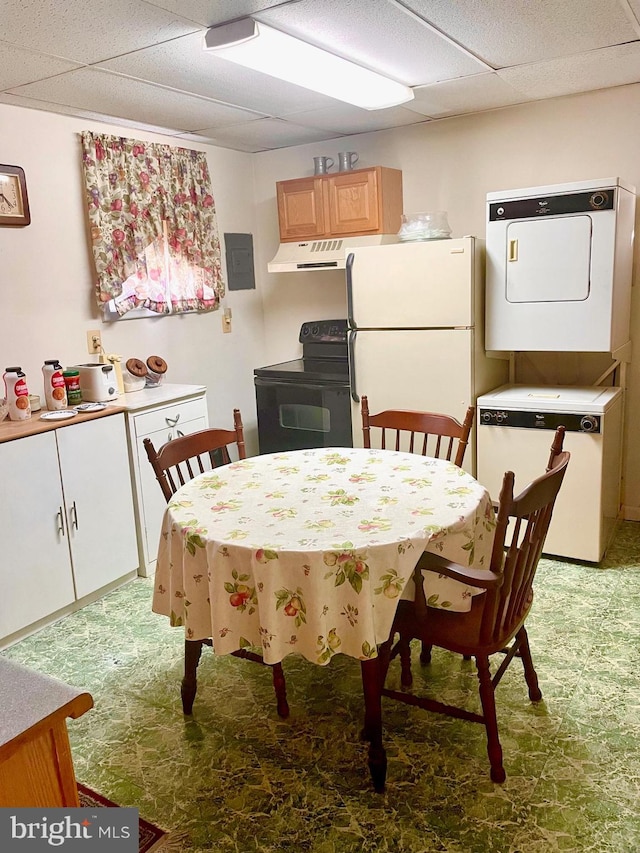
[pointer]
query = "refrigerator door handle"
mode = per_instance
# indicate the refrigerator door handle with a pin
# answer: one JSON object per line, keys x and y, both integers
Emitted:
{"x": 349, "y": 268}
{"x": 352, "y": 365}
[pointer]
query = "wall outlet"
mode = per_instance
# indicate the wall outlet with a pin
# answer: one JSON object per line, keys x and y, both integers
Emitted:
{"x": 226, "y": 320}
{"x": 94, "y": 341}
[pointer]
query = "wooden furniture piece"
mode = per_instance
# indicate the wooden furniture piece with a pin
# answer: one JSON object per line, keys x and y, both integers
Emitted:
{"x": 346, "y": 204}
{"x": 496, "y": 618}
{"x": 67, "y": 522}
{"x": 36, "y": 767}
{"x": 175, "y": 464}
{"x": 441, "y": 436}
{"x": 250, "y": 550}
{"x": 167, "y": 411}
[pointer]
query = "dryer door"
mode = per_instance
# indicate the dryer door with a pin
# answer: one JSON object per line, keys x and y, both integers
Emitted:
{"x": 549, "y": 259}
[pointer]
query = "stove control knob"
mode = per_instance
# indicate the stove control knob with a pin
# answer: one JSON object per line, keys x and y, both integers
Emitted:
{"x": 315, "y": 330}
{"x": 486, "y": 417}
{"x": 501, "y": 416}
{"x": 589, "y": 423}
{"x": 305, "y": 330}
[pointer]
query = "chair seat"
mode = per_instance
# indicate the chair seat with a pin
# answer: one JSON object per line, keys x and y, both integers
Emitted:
{"x": 456, "y": 632}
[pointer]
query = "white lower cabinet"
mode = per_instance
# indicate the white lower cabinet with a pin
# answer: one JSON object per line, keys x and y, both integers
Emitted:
{"x": 67, "y": 523}
{"x": 160, "y": 423}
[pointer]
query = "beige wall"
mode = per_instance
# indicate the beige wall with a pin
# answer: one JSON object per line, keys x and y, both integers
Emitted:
{"x": 451, "y": 165}
{"x": 46, "y": 279}
{"x": 46, "y": 302}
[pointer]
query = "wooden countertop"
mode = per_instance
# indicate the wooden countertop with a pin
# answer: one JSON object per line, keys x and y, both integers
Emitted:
{"x": 10, "y": 430}
{"x": 29, "y": 698}
{"x": 130, "y": 402}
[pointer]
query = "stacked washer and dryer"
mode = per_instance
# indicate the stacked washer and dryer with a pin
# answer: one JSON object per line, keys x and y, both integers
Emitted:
{"x": 558, "y": 279}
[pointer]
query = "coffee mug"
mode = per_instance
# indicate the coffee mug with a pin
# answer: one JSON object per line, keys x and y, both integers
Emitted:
{"x": 347, "y": 160}
{"x": 321, "y": 165}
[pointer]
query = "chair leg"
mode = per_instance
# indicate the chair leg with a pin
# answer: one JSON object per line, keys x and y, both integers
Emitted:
{"x": 488, "y": 699}
{"x": 280, "y": 687}
{"x": 404, "y": 650}
{"x": 425, "y": 654}
{"x": 192, "y": 652}
{"x": 384, "y": 659}
{"x": 535, "y": 694}
{"x": 372, "y": 685}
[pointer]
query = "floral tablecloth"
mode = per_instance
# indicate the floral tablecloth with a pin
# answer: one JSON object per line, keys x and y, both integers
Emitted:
{"x": 309, "y": 551}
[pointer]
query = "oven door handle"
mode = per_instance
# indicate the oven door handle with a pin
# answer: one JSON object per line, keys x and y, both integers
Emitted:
{"x": 312, "y": 386}
{"x": 352, "y": 365}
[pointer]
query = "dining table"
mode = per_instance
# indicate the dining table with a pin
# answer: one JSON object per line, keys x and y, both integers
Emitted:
{"x": 309, "y": 551}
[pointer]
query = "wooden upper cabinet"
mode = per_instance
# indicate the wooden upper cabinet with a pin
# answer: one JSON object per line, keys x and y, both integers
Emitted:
{"x": 346, "y": 204}
{"x": 301, "y": 208}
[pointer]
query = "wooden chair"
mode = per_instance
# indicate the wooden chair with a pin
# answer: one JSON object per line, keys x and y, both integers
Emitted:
{"x": 439, "y": 436}
{"x": 177, "y": 462}
{"x": 497, "y": 617}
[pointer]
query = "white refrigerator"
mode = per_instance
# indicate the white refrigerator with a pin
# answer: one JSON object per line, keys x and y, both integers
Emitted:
{"x": 416, "y": 341}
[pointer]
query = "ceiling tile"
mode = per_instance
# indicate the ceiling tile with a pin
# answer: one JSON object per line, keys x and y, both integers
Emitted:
{"x": 111, "y": 94}
{"x": 380, "y": 36}
{"x": 612, "y": 66}
{"x": 346, "y": 119}
{"x": 465, "y": 95}
{"x": 183, "y": 64}
{"x": 265, "y": 134}
{"x": 61, "y": 109}
{"x": 208, "y": 13}
{"x": 512, "y": 32}
{"x": 88, "y": 30}
{"x": 20, "y": 66}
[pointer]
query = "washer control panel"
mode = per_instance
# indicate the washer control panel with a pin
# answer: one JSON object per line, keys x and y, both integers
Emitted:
{"x": 571, "y": 421}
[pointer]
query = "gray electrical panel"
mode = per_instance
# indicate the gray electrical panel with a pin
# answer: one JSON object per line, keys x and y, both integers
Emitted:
{"x": 239, "y": 255}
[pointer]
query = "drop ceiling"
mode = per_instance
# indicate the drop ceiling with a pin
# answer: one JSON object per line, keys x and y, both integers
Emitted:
{"x": 141, "y": 64}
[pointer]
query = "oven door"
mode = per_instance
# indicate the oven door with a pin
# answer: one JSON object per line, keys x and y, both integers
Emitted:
{"x": 300, "y": 415}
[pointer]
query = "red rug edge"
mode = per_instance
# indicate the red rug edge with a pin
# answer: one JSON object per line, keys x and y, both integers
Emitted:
{"x": 150, "y": 834}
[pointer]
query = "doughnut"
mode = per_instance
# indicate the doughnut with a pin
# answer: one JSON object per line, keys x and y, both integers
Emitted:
{"x": 136, "y": 367}
{"x": 157, "y": 364}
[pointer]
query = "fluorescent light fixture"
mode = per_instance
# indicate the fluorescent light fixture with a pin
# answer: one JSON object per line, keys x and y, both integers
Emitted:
{"x": 272, "y": 52}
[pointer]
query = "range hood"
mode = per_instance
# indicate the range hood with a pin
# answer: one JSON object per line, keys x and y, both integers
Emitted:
{"x": 330, "y": 254}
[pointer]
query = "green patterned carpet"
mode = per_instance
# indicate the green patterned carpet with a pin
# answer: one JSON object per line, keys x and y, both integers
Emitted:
{"x": 237, "y": 778}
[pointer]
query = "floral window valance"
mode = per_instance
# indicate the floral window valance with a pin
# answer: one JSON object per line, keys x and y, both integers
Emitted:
{"x": 153, "y": 226}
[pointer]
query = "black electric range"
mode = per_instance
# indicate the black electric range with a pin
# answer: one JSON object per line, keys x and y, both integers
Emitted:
{"x": 305, "y": 402}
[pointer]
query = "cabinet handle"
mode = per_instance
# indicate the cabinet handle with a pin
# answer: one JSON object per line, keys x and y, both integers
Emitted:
{"x": 173, "y": 421}
{"x": 513, "y": 251}
{"x": 179, "y": 433}
{"x": 74, "y": 515}
{"x": 169, "y": 436}
{"x": 60, "y": 515}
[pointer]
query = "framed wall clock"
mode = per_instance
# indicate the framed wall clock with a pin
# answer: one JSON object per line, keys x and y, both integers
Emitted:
{"x": 14, "y": 202}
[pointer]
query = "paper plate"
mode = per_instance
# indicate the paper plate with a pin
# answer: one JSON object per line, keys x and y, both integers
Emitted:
{"x": 59, "y": 415}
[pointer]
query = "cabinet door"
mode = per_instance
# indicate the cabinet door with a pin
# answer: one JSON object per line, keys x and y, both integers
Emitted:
{"x": 151, "y": 503}
{"x": 354, "y": 202}
{"x": 301, "y": 208}
{"x": 94, "y": 463}
{"x": 35, "y": 570}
